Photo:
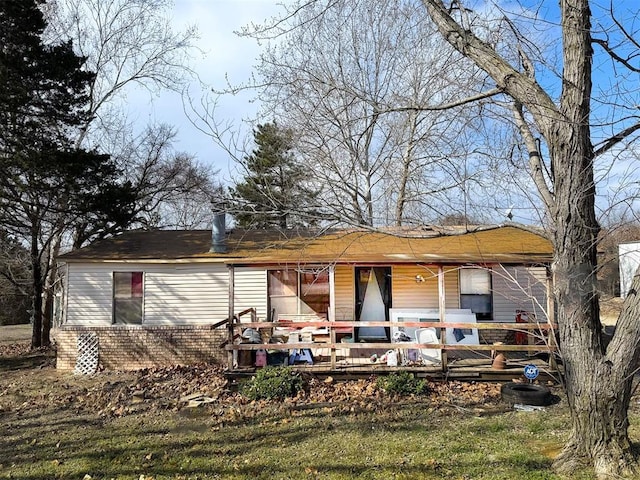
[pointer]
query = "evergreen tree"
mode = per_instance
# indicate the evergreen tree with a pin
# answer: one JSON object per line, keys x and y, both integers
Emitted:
{"x": 276, "y": 191}
{"x": 44, "y": 180}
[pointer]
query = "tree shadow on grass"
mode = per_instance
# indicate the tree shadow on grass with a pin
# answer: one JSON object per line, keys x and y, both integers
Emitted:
{"x": 31, "y": 360}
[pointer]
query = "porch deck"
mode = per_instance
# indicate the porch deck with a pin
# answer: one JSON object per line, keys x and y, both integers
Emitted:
{"x": 459, "y": 369}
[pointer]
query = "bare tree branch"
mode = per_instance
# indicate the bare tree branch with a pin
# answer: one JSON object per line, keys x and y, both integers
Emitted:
{"x": 611, "y": 142}
{"x": 446, "y": 106}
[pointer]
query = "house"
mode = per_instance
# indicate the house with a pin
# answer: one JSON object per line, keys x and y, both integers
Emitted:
{"x": 164, "y": 297}
{"x": 629, "y": 261}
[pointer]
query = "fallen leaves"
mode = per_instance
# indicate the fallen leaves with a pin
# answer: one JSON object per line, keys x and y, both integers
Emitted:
{"x": 17, "y": 349}
{"x": 116, "y": 394}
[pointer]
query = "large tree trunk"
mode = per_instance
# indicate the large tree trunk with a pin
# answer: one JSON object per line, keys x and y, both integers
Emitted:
{"x": 36, "y": 293}
{"x": 598, "y": 381}
{"x": 598, "y": 389}
{"x": 597, "y": 393}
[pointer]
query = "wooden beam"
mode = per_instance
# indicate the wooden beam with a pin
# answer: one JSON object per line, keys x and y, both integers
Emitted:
{"x": 232, "y": 355}
{"x": 442, "y": 307}
{"x": 387, "y": 346}
{"x": 382, "y": 323}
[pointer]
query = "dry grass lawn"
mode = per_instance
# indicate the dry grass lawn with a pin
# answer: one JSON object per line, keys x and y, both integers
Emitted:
{"x": 133, "y": 426}
{"x": 14, "y": 333}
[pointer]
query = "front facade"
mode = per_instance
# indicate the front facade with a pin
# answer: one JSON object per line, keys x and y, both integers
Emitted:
{"x": 158, "y": 298}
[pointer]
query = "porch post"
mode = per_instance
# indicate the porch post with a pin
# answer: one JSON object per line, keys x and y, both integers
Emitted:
{"x": 442, "y": 306}
{"x": 332, "y": 313}
{"x": 232, "y": 355}
{"x": 332, "y": 293}
{"x": 64, "y": 303}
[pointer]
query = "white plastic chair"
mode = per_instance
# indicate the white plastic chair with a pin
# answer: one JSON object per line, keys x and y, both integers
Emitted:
{"x": 428, "y": 336}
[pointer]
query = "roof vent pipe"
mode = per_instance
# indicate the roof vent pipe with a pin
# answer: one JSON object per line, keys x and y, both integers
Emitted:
{"x": 219, "y": 229}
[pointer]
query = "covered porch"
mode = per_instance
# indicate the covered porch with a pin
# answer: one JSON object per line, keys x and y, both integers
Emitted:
{"x": 438, "y": 337}
{"x": 318, "y": 346}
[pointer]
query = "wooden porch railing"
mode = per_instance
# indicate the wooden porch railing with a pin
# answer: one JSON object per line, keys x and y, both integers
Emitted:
{"x": 542, "y": 334}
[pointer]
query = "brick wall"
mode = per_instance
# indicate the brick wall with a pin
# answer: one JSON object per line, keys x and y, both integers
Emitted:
{"x": 134, "y": 347}
{"x": 491, "y": 336}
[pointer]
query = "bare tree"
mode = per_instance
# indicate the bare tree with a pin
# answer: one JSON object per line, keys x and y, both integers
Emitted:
{"x": 556, "y": 128}
{"x": 334, "y": 78}
{"x": 15, "y": 281}
{"x": 165, "y": 185}
{"x": 128, "y": 44}
{"x": 131, "y": 47}
{"x": 337, "y": 77}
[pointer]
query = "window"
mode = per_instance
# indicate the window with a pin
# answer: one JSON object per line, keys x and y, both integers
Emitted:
{"x": 127, "y": 298}
{"x": 293, "y": 292}
{"x": 475, "y": 292}
{"x": 314, "y": 293}
{"x": 283, "y": 292}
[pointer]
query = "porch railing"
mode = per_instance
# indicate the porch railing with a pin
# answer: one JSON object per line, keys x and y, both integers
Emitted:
{"x": 324, "y": 334}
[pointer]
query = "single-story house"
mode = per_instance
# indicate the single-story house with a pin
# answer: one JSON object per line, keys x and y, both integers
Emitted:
{"x": 151, "y": 298}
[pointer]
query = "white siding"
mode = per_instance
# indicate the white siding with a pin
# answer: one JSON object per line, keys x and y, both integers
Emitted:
{"x": 89, "y": 295}
{"x": 409, "y": 293}
{"x": 185, "y": 295}
{"x": 345, "y": 291}
{"x": 451, "y": 287}
{"x": 519, "y": 288}
{"x": 173, "y": 294}
{"x": 250, "y": 291}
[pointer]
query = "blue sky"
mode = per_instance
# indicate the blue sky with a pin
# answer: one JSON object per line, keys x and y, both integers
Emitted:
{"x": 226, "y": 54}
{"x": 223, "y": 54}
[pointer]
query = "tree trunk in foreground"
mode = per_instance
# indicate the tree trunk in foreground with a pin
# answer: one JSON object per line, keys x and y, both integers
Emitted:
{"x": 598, "y": 380}
{"x": 36, "y": 293}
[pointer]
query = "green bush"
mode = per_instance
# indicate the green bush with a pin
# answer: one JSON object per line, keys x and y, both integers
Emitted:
{"x": 272, "y": 383}
{"x": 403, "y": 383}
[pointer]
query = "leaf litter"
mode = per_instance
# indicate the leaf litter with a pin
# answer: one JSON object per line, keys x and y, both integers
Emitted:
{"x": 176, "y": 388}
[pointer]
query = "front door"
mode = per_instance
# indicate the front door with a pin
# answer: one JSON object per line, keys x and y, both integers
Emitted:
{"x": 373, "y": 300}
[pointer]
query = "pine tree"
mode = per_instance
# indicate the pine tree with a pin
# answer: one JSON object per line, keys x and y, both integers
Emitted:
{"x": 275, "y": 192}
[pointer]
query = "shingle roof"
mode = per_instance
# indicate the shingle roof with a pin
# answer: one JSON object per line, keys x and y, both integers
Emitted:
{"x": 507, "y": 244}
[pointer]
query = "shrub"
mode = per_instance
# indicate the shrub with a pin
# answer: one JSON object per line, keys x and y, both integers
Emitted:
{"x": 272, "y": 383}
{"x": 403, "y": 383}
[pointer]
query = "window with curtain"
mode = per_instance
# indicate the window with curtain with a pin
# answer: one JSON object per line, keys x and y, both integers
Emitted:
{"x": 127, "y": 298}
{"x": 475, "y": 292}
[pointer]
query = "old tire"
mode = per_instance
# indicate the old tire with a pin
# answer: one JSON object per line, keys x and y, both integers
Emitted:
{"x": 526, "y": 393}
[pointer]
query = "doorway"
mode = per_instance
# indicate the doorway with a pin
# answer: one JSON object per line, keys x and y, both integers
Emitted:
{"x": 373, "y": 300}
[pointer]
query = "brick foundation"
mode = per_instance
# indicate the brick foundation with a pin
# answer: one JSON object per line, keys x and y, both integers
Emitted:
{"x": 135, "y": 347}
